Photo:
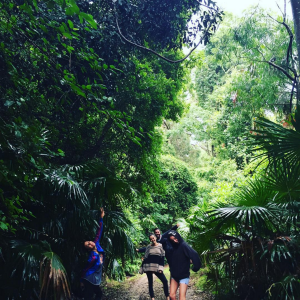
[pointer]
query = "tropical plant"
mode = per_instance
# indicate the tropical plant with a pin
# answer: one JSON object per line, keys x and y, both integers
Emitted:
{"x": 254, "y": 241}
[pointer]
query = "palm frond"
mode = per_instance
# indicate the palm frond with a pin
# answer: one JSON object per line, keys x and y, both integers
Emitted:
{"x": 247, "y": 217}
{"x": 27, "y": 259}
{"x": 38, "y": 263}
{"x": 285, "y": 181}
{"x": 276, "y": 142}
{"x": 120, "y": 244}
{"x": 253, "y": 209}
{"x": 66, "y": 184}
{"x": 254, "y": 193}
{"x": 53, "y": 273}
{"x": 289, "y": 214}
{"x": 288, "y": 289}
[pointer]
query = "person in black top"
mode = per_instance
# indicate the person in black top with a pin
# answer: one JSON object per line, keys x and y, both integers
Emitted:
{"x": 181, "y": 258}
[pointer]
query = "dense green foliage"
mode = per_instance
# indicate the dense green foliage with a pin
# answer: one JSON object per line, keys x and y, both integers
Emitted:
{"x": 253, "y": 238}
{"x": 79, "y": 115}
{"x": 92, "y": 114}
{"x": 180, "y": 194}
{"x": 237, "y": 83}
{"x": 249, "y": 238}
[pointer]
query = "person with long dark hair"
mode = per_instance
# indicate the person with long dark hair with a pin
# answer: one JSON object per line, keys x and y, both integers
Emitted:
{"x": 182, "y": 256}
{"x": 153, "y": 263}
{"x": 92, "y": 274}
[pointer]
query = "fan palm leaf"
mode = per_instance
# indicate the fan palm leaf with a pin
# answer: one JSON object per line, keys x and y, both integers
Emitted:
{"x": 27, "y": 257}
{"x": 285, "y": 181}
{"x": 243, "y": 216}
{"x": 38, "y": 262}
{"x": 274, "y": 142}
{"x": 95, "y": 182}
{"x": 254, "y": 192}
{"x": 251, "y": 212}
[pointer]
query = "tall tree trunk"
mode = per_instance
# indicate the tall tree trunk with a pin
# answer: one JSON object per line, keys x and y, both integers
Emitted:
{"x": 296, "y": 16}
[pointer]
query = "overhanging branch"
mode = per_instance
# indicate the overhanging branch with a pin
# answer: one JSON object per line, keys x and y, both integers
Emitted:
{"x": 281, "y": 69}
{"x": 154, "y": 52}
{"x": 289, "y": 50}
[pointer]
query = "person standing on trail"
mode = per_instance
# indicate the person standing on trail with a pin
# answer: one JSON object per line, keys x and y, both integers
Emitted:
{"x": 153, "y": 263}
{"x": 182, "y": 256}
{"x": 92, "y": 274}
{"x": 162, "y": 239}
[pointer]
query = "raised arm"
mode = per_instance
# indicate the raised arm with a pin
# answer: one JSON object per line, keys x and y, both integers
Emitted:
{"x": 100, "y": 229}
{"x": 165, "y": 234}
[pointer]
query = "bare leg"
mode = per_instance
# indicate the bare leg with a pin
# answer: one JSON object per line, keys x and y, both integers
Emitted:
{"x": 173, "y": 288}
{"x": 182, "y": 291}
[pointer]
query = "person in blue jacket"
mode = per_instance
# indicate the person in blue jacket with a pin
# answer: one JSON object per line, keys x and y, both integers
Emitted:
{"x": 92, "y": 274}
{"x": 181, "y": 258}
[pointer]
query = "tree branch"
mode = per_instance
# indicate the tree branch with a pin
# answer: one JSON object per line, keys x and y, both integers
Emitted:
{"x": 276, "y": 66}
{"x": 154, "y": 52}
{"x": 281, "y": 69}
{"x": 291, "y": 38}
{"x": 291, "y": 99}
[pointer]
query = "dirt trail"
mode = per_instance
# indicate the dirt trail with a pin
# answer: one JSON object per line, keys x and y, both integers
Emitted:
{"x": 137, "y": 289}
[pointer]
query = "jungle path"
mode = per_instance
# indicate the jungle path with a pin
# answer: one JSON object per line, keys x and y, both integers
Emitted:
{"x": 137, "y": 289}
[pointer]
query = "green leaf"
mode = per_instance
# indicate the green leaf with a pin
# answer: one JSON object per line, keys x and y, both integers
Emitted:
{"x": 67, "y": 35}
{"x": 77, "y": 89}
{"x": 8, "y": 103}
{"x": 69, "y": 11}
{"x": 61, "y": 152}
{"x": 136, "y": 142}
{"x": 71, "y": 24}
{"x": 89, "y": 18}
{"x": 3, "y": 226}
{"x": 35, "y": 5}
{"x": 72, "y": 9}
